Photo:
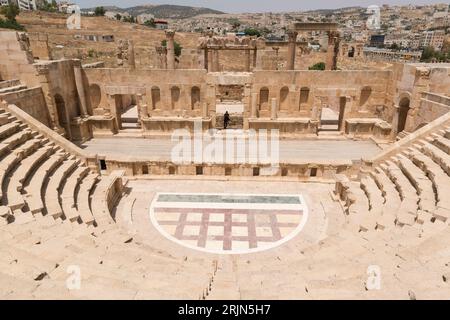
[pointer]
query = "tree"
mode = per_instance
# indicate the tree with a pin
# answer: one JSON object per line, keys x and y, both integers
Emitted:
{"x": 99, "y": 11}
{"x": 129, "y": 19}
{"x": 49, "y": 7}
{"x": 177, "y": 47}
{"x": 10, "y": 11}
{"x": 427, "y": 54}
{"x": 318, "y": 66}
{"x": 118, "y": 17}
{"x": 235, "y": 23}
{"x": 394, "y": 46}
{"x": 252, "y": 32}
{"x": 150, "y": 23}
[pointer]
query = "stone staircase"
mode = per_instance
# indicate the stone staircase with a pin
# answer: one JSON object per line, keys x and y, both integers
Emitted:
{"x": 402, "y": 135}
{"x": 8, "y": 86}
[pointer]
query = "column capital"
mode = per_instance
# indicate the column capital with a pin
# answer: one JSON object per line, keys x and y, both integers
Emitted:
{"x": 292, "y": 35}
{"x": 170, "y": 34}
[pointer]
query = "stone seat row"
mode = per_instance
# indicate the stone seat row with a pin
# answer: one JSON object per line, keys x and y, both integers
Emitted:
{"x": 409, "y": 188}
{"x": 37, "y": 177}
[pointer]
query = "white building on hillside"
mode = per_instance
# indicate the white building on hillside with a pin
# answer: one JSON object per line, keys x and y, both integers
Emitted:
{"x": 143, "y": 18}
{"x": 27, "y": 5}
{"x": 114, "y": 14}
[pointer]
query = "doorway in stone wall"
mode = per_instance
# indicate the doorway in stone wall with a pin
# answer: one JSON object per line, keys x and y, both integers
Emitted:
{"x": 332, "y": 114}
{"x": 229, "y": 99}
{"x": 129, "y": 112}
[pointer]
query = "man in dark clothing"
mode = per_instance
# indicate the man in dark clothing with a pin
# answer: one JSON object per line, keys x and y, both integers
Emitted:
{"x": 226, "y": 119}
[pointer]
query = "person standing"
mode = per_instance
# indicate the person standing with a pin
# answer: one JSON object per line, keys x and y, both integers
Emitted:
{"x": 226, "y": 119}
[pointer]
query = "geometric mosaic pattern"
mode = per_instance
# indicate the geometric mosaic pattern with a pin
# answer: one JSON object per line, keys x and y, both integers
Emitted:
{"x": 228, "y": 223}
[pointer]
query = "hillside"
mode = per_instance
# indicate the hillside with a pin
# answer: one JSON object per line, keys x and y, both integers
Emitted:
{"x": 165, "y": 11}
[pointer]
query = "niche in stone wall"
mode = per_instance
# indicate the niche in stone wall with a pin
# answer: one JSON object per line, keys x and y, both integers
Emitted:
{"x": 366, "y": 92}
{"x": 195, "y": 98}
{"x": 156, "y": 98}
{"x": 95, "y": 95}
{"x": 304, "y": 96}
{"x": 264, "y": 99}
{"x": 175, "y": 97}
{"x": 284, "y": 101}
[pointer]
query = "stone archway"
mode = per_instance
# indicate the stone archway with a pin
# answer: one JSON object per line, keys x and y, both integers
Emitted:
{"x": 403, "y": 109}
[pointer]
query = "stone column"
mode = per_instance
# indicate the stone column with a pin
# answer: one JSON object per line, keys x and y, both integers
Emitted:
{"x": 112, "y": 111}
{"x": 332, "y": 50}
{"x": 210, "y": 61}
{"x": 205, "y": 110}
{"x": 131, "y": 57}
{"x": 80, "y": 90}
{"x": 170, "y": 34}
{"x": 141, "y": 108}
{"x": 273, "y": 108}
{"x": 394, "y": 123}
{"x": 255, "y": 57}
{"x": 254, "y": 105}
{"x": 292, "y": 42}
{"x": 216, "y": 63}
{"x": 206, "y": 61}
{"x": 247, "y": 60}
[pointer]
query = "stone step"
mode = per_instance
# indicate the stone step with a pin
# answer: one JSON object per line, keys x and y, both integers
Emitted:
{"x": 54, "y": 187}
{"x": 377, "y": 218}
{"x": 440, "y": 180}
{"x": 423, "y": 185}
{"x": 17, "y": 139}
{"x": 9, "y": 83}
{"x": 441, "y": 142}
{"x": 389, "y": 192}
{"x": 33, "y": 191}
{"x": 68, "y": 193}
{"x": 24, "y": 170}
{"x": 12, "y": 89}
{"x": 6, "y": 130}
{"x": 83, "y": 198}
{"x": 438, "y": 156}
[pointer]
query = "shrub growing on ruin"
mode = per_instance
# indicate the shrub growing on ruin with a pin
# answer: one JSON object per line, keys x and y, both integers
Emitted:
{"x": 317, "y": 66}
{"x": 177, "y": 46}
{"x": 10, "y": 12}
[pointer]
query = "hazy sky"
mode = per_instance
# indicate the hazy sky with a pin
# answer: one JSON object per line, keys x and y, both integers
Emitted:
{"x": 235, "y": 6}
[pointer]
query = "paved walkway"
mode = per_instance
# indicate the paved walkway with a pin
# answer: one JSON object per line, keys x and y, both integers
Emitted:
{"x": 289, "y": 150}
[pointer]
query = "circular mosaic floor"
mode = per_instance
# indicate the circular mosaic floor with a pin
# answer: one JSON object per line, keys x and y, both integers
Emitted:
{"x": 228, "y": 223}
